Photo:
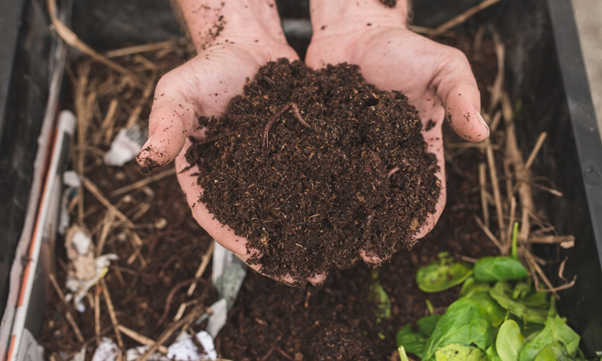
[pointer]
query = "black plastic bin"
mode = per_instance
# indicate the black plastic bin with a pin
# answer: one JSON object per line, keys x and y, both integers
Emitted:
{"x": 544, "y": 70}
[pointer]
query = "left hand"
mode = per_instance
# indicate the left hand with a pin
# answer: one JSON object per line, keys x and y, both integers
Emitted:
{"x": 436, "y": 78}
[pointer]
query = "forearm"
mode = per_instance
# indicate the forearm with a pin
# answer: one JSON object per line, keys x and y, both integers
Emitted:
{"x": 214, "y": 22}
{"x": 346, "y": 14}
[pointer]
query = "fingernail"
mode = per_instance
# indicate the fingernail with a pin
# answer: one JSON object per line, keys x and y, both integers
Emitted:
{"x": 482, "y": 121}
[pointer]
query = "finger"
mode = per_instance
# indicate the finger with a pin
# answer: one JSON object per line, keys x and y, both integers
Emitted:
{"x": 370, "y": 259}
{"x": 457, "y": 88}
{"x": 172, "y": 118}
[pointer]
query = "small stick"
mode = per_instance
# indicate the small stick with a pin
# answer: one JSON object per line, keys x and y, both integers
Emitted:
{"x": 140, "y": 49}
{"x": 463, "y": 17}
{"x": 135, "y": 114}
{"x": 496, "y": 120}
{"x": 92, "y": 188}
{"x": 104, "y": 233}
{"x": 107, "y": 125}
{"x": 204, "y": 263}
{"x": 510, "y": 225}
{"x": 488, "y": 233}
{"x": 496, "y": 91}
{"x": 167, "y": 333}
{"x": 143, "y": 182}
{"x": 541, "y": 274}
{"x": 468, "y": 259}
{"x": 171, "y": 295}
{"x": 267, "y": 355}
{"x": 483, "y": 186}
{"x": 551, "y": 239}
{"x": 496, "y": 189}
{"x": 561, "y": 269}
{"x": 536, "y": 148}
{"x": 68, "y": 314}
{"x": 70, "y": 38}
{"x": 141, "y": 339}
{"x": 548, "y": 189}
{"x": 392, "y": 171}
{"x": 97, "y": 313}
{"x": 109, "y": 303}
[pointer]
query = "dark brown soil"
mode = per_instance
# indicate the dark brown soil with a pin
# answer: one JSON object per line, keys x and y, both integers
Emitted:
{"x": 389, "y": 3}
{"x": 314, "y": 166}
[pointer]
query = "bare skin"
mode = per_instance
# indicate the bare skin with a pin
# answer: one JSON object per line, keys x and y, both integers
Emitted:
{"x": 436, "y": 78}
{"x": 233, "y": 39}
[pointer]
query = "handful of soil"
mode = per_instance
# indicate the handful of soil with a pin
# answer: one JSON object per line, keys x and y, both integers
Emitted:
{"x": 314, "y": 166}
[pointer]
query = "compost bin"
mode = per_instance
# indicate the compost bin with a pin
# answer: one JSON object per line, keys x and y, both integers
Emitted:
{"x": 544, "y": 72}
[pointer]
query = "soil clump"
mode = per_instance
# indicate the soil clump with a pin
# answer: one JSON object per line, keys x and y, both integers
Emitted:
{"x": 314, "y": 166}
{"x": 389, "y": 3}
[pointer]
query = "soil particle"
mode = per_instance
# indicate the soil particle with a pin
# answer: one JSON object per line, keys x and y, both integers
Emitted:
{"x": 429, "y": 125}
{"x": 299, "y": 166}
{"x": 389, "y": 3}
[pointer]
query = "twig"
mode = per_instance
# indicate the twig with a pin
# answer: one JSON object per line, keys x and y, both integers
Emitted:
{"x": 496, "y": 189}
{"x": 143, "y": 182}
{"x": 140, "y": 49}
{"x": 552, "y": 239}
{"x": 541, "y": 274}
{"x": 109, "y": 303}
{"x": 488, "y": 233}
{"x": 141, "y": 339}
{"x": 536, "y": 148}
{"x": 548, "y": 189}
{"x": 463, "y": 17}
{"x": 68, "y": 314}
{"x": 70, "y": 38}
{"x": 508, "y": 244}
{"x": 104, "y": 233}
{"x": 171, "y": 295}
{"x": 483, "y": 184}
{"x": 496, "y": 91}
{"x": 97, "y": 292}
{"x": 561, "y": 269}
{"x": 107, "y": 125}
{"x": 204, "y": 263}
{"x": 284, "y": 354}
{"x": 496, "y": 120}
{"x": 92, "y": 188}
{"x": 135, "y": 114}
{"x": 168, "y": 332}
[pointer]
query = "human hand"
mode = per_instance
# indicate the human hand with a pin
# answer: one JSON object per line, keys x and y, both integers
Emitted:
{"x": 251, "y": 36}
{"x": 436, "y": 78}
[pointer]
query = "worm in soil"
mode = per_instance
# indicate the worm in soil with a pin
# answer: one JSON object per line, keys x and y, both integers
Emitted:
{"x": 275, "y": 117}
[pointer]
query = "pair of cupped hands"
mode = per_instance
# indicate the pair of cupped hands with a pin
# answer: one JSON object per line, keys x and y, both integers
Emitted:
{"x": 436, "y": 78}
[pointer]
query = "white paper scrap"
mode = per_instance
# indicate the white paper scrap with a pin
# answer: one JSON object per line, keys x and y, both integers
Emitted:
{"x": 133, "y": 354}
{"x": 126, "y": 146}
{"x": 217, "y": 320}
{"x": 107, "y": 350}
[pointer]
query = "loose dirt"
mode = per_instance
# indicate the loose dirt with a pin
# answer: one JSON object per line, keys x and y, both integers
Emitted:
{"x": 314, "y": 166}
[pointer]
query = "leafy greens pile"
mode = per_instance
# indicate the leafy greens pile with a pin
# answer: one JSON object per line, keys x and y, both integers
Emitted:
{"x": 499, "y": 317}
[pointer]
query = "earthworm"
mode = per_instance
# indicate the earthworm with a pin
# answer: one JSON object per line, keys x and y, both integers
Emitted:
{"x": 275, "y": 117}
{"x": 393, "y": 171}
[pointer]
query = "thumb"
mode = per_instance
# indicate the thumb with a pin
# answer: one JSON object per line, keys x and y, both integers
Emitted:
{"x": 457, "y": 88}
{"x": 172, "y": 118}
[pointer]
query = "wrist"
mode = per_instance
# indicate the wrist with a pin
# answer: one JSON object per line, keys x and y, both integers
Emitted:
{"x": 343, "y": 16}
{"x": 243, "y": 22}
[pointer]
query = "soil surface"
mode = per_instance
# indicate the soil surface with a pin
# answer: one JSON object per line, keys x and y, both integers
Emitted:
{"x": 314, "y": 166}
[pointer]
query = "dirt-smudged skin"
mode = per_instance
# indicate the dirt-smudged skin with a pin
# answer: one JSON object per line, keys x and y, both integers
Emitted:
{"x": 300, "y": 165}
{"x": 389, "y": 3}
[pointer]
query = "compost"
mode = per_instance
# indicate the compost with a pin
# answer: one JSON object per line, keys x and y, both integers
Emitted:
{"x": 314, "y": 166}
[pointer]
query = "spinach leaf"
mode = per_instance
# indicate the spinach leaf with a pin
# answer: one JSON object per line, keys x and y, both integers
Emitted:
{"x": 458, "y": 352}
{"x": 537, "y": 300}
{"x": 509, "y": 341}
{"x": 490, "y": 269}
{"x": 412, "y": 342}
{"x": 555, "y": 330}
{"x": 472, "y": 285}
{"x": 521, "y": 290}
{"x": 427, "y": 324}
{"x": 554, "y": 352}
{"x": 502, "y": 293}
{"x": 438, "y": 277}
{"x": 492, "y": 354}
{"x": 465, "y": 322}
{"x": 378, "y": 294}
{"x": 495, "y": 312}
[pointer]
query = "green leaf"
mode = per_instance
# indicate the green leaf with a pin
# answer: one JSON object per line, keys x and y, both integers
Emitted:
{"x": 490, "y": 269}
{"x": 413, "y": 342}
{"x": 555, "y": 330}
{"x": 427, "y": 324}
{"x": 502, "y": 293}
{"x": 472, "y": 285}
{"x": 554, "y": 352}
{"x": 458, "y": 352}
{"x": 496, "y": 313}
{"x": 521, "y": 290}
{"x": 509, "y": 341}
{"x": 537, "y": 300}
{"x": 438, "y": 277}
{"x": 465, "y": 322}
{"x": 382, "y": 309}
{"x": 515, "y": 241}
{"x": 492, "y": 354}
